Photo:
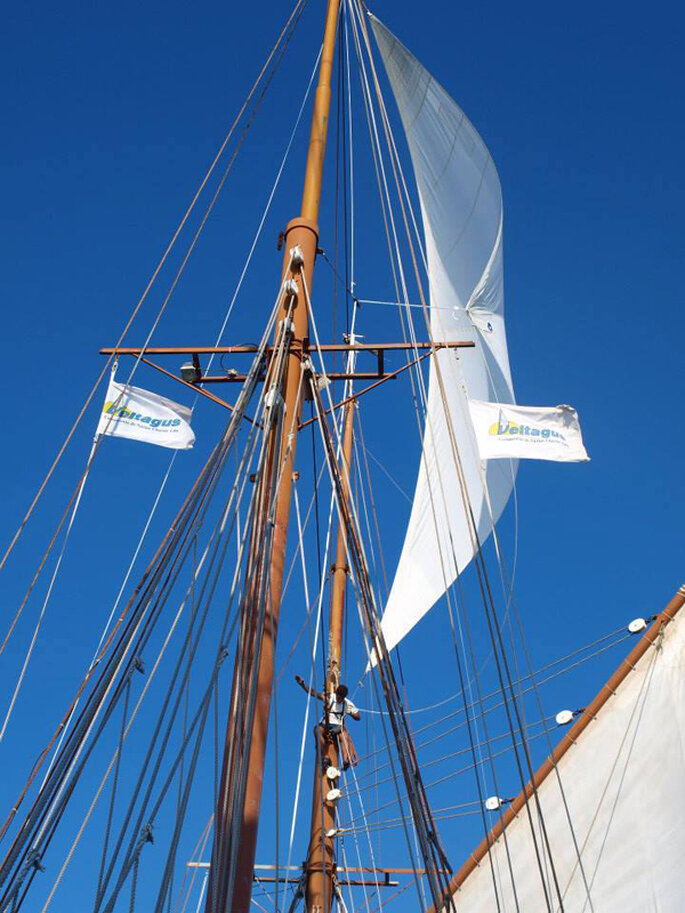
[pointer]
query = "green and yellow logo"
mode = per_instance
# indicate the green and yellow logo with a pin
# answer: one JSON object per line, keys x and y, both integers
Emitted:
{"x": 505, "y": 428}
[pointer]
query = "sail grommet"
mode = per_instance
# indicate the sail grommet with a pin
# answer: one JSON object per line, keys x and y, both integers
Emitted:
{"x": 637, "y": 625}
{"x": 296, "y": 256}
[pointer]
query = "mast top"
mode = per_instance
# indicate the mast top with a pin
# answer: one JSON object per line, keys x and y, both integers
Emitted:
{"x": 311, "y": 194}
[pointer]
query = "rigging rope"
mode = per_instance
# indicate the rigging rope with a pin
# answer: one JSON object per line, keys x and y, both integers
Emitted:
{"x": 431, "y": 850}
{"x": 76, "y": 496}
{"x": 389, "y": 222}
{"x": 196, "y": 501}
{"x": 491, "y": 617}
{"x": 285, "y": 33}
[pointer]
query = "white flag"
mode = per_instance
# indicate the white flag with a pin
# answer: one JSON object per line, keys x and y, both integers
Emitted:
{"x": 527, "y": 432}
{"x": 144, "y": 416}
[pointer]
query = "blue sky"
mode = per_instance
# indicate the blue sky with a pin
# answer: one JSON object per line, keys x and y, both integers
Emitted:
{"x": 111, "y": 117}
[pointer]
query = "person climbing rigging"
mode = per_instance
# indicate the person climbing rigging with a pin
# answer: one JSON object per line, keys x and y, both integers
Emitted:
{"x": 336, "y": 708}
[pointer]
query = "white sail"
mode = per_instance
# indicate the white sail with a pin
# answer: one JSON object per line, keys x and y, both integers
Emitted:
{"x": 461, "y": 205}
{"x": 623, "y": 783}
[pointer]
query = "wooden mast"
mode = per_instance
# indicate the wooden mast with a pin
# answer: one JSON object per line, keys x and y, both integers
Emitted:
{"x": 321, "y": 853}
{"x": 302, "y": 232}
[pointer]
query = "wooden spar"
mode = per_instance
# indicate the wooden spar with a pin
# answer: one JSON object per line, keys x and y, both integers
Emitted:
{"x": 302, "y": 232}
{"x": 205, "y": 393}
{"x": 325, "y": 347}
{"x": 663, "y": 619}
{"x": 320, "y": 867}
{"x": 382, "y": 380}
{"x": 343, "y": 869}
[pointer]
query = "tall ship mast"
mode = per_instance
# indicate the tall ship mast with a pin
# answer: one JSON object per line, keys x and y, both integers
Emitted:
{"x": 231, "y": 743}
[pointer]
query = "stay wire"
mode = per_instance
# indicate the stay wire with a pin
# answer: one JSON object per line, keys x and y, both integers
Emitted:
{"x": 134, "y": 714}
{"x": 115, "y": 783}
{"x": 493, "y": 622}
{"x": 219, "y": 336}
{"x": 387, "y": 213}
{"x": 211, "y": 684}
{"x": 412, "y": 775}
{"x": 292, "y": 19}
{"x": 198, "y": 493}
{"x": 242, "y": 713}
{"x": 75, "y": 499}
{"x": 427, "y": 833}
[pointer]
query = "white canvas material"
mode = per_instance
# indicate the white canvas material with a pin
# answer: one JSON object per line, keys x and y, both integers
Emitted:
{"x": 527, "y": 432}
{"x": 623, "y": 783}
{"x": 143, "y": 416}
{"x": 461, "y": 208}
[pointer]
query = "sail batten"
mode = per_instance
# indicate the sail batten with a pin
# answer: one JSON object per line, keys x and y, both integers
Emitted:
{"x": 461, "y": 209}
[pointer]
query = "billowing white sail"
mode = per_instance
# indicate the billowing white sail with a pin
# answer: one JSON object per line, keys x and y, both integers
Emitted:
{"x": 623, "y": 783}
{"x": 461, "y": 205}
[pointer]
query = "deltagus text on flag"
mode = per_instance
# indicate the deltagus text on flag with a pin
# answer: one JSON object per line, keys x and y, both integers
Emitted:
{"x": 143, "y": 416}
{"x": 527, "y": 432}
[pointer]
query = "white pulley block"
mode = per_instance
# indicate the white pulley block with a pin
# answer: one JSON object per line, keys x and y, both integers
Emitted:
{"x": 296, "y": 256}
{"x": 564, "y": 717}
{"x": 637, "y": 625}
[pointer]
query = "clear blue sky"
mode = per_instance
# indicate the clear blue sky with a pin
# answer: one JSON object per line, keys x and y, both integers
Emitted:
{"x": 112, "y": 113}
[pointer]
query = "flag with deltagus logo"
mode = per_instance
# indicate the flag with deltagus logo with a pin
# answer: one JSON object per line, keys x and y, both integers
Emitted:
{"x": 143, "y": 416}
{"x": 527, "y": 432}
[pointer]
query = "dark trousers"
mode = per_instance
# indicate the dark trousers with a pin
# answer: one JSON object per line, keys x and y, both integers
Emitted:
{"x": 347, "y": 753}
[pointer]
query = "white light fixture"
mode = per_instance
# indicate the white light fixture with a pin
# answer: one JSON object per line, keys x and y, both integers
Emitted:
{"x": 190, "y": 372}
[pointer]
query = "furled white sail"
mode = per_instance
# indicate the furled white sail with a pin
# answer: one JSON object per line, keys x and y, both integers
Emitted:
{"x": 461, "y": 205}
{"x": 623, "y": 783}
